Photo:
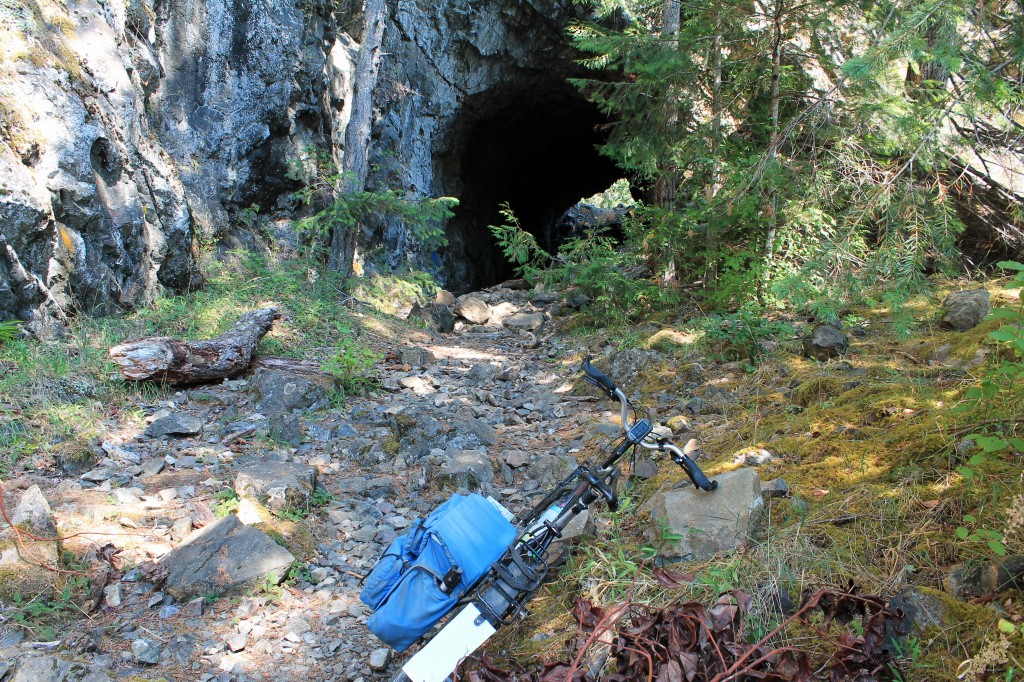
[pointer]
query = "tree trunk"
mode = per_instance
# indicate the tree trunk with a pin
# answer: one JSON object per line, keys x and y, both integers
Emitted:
{"x": 773, "y": 134}
{"x": 355, "y": 163}
{"x": 161, "y": 358}
{"x": 711, "y": 263}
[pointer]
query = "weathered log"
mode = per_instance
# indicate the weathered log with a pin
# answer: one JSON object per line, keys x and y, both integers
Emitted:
{"x": 161, "y": 358}
{"x": 290, "y": 365}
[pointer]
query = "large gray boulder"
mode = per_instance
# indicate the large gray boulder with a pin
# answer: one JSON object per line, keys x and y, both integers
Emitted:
{"x": 224, "y": 557}
{"x": 467, "y": 470}
{"x": 694, "y": 525}
{"x": 277, "y": 485}
{"x": 474, "y": 310}
{"x": 280, "y": 392}
{"x": 526, "y": 321}
{"x": 175, "y": 424}
{"x": 965, "y": 310}
{"x": 43, "y": 668}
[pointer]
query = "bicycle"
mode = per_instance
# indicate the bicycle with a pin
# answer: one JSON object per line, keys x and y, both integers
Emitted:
{"x": 500, "y": 596}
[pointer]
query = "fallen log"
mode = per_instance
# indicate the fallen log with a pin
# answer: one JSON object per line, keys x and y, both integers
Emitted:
{"x": 161, "y": 358}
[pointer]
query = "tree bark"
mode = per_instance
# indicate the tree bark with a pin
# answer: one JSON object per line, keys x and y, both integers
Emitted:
{"x": 161, "y": 358}
{"x": 711, "y": 264}
{"x": 355, "y": 162}
{"x": 773, "y": 134}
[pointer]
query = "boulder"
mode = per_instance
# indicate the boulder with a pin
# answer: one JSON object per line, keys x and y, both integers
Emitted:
{"x": 467, "y": 470}
{"x": 629, "y": 363}
{"x": 550, "y": 469}
{"x": 415, "y": 356}
{"x": 434, "y": 316}
{"x": 825, "y": 342}
{"x": 469, "y": 433}
{"x": 473, "y": 310}
{"x": 695, "y": 525}
{"x": 225, "y": 557}
{"x": 280, "y": 392}
{"x": 977, "y": 579}
{"x": 526, "y": 321}
{"x": 285, "y": 428}
{"x": 481, "y": 373}
{"x": 965, "y": 309}
{"x": 33, "y": 514}
{"x": 56, "y": 669}
{"x": 922, "y": 609}
{"x": 175, "y": 424}
{"x": 277, "y": 485}
{"x": 575, "y": 298}
{"x": 20, "y": 569}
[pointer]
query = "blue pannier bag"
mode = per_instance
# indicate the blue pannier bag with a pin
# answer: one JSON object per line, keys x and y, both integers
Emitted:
{"x": 424, "y": 572}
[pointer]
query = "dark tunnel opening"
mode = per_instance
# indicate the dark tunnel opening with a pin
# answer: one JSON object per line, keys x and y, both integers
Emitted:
{"x": 532, "y": 144}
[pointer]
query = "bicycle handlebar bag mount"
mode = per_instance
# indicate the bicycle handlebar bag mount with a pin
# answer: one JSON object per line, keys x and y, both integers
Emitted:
{"x": 424, "y": 572}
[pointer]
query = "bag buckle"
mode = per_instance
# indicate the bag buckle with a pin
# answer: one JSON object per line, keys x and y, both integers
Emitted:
{"x": 452, "y": 578}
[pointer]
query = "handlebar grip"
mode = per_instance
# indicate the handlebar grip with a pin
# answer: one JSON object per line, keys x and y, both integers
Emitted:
{"x": 696, "y": 475}
{"x": 598, "y": 378}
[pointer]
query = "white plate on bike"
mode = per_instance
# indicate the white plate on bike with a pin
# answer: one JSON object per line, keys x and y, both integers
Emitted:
{"x": 442, "y": 654}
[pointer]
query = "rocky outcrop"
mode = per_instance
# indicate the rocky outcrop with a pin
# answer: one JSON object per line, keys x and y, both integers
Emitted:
{"x": 136, "y": 131}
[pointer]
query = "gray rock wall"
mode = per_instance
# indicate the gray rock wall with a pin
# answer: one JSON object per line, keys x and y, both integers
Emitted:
{"x": 131, "y": 131}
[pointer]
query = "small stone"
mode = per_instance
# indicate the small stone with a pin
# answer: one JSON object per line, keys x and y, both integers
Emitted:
{"x": 195, "y": 607}
{"x": 941, "y": 354}
{"x": 481, "y": 373}
{"x": 168, "y": 611}
{"x": 703, "y": 524}
{"x": 236, "y": 641}
{"x": 152, "y": 467}
{"x": 577, "y": 299}
{"x": 285, "y": 428}
{"x": 33, "y": 513}
{"x": 379, "y": 659}
{"x": 146, "y": 651}
{"x": 775, "y": 488}
{"x": 516, "y": 458}
{"x": 415, "y": 356}
{"x": 417, "y": 385}
{"x": 645, "y": 468}
{"x": 825, "y": 342}
{"x": 226, "y": 557}
{"x": 112, "y": 595}
{"x": 753, "y": 457}
{"x": 97, "y": 475}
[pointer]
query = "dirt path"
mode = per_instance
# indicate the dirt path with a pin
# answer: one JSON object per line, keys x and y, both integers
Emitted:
{"x": 475, "y": 410}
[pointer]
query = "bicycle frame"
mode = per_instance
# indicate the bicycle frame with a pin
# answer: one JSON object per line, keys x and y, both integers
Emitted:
{"x": 502, "y": 593}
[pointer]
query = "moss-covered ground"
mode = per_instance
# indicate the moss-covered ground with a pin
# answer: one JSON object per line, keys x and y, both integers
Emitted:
{"x": 884, "y": 480}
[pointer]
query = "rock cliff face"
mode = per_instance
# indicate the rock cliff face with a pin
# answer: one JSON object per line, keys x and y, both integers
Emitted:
{"x": 134, "y": 131}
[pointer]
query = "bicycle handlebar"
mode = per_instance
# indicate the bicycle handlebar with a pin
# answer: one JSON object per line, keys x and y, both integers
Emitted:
{"x": 601, "y": 380}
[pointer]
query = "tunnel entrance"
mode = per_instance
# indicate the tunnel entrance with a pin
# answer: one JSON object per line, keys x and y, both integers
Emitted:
{"x": 532, "y": 144}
